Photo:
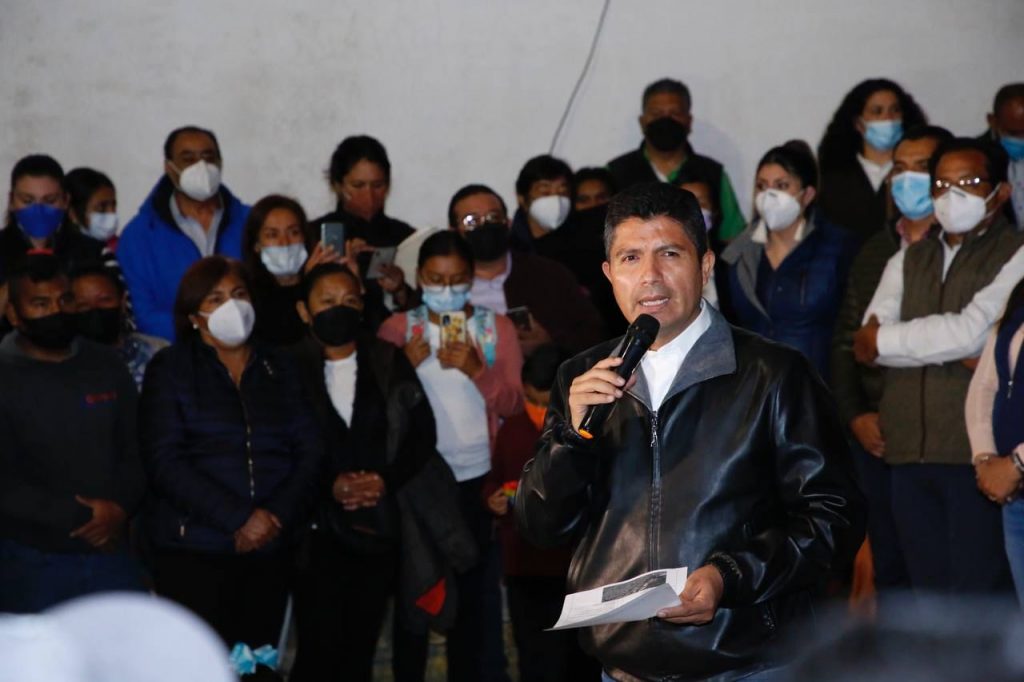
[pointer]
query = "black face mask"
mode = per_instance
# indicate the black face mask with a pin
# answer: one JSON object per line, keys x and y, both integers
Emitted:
{"x": 102, "y": 325}
{"x": 488, "y": 242}
{"x": 53, "y": 332}
{"x": 666, "y": 134}
{"x": 337, "y": 326}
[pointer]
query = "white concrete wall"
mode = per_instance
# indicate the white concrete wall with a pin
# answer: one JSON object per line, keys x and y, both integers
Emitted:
{"x": 465, "y": 90}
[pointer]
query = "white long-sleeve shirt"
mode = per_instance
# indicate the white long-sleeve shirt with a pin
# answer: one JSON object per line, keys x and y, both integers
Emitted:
{"x": 944, "y": 337}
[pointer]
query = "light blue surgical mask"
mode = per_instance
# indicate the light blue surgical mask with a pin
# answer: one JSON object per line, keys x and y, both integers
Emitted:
{"x": 446, "y": 299}
{"x": 883, "y": 135}
{"x": 911, "y": 191}
{"x": 1014, "y": 146}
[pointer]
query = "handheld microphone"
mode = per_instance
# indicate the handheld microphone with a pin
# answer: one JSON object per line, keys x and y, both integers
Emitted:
{"x": 638, "y": 339}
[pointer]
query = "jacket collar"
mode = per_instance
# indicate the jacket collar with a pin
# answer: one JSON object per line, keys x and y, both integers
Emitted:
{"x": 744, "y": 253}
{"x": 713, "y": 355}
{"x": 159, "y": 202}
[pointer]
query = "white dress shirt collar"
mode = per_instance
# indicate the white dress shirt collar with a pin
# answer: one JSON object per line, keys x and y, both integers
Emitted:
{"x": 661, "y": 366}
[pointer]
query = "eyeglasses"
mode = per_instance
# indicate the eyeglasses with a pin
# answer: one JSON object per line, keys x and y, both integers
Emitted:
{"x": 475, "y": 220}
{"x": 962, "y": 183}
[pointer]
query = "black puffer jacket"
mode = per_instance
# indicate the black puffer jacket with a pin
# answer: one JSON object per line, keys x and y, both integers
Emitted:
{"x": 214, "y": 451}
{"x": 744, "y": 466}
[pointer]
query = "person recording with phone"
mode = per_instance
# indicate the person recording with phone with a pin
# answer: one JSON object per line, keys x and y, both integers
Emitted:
{"x": 470, "y": 369}
{"x": 360, "y": 177}
{"x": 723, "y": 454}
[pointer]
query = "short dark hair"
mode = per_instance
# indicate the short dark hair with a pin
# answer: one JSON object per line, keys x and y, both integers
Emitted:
{"x": 37, "y": 166}
{"x": 197, "y": 282}
{"x": 82, "y": 184}
{"x": 322, "y": 270}
{"x": 469, "y": 191}
{"x": 652, "y": 199}
{"x": 98, "y": 271}
{"x": 1005, "y": 94}
{"x": 668, "y": 86}
{"x": 796, "y": 158}
{"x": 692, "y": 174}
{"x": 925, "y": 132}
{"x": 35, "y": 268}
{"x": 174, "y": 134}
{"x": 445, "y": 243}
{"x": 996, "y": 159}
{"x": 543, "y": 167}
{"x": 541, "y": 366}
{"x": 254, "y": 221}
{"x": 354, "y": 149}
{"x": 594, "y": 173}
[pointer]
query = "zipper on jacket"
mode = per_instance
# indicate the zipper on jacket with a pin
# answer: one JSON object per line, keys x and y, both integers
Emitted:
{"x": 655, "y": 504}
{"x": 248, "y": 445}
{"x": 924, "y": 370}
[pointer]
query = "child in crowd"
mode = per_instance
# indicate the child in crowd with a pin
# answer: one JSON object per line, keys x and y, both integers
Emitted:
{"x": 534, "y": 578}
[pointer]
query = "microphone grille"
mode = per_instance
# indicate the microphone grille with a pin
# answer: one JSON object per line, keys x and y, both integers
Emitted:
{"x": 645, "y": 326}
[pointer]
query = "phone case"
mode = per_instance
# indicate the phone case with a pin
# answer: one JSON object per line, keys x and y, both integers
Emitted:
{"x": 453, "y": 328}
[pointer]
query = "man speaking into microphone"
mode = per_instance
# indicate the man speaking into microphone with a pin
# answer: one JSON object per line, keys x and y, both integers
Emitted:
{"x": 722, "y": 452}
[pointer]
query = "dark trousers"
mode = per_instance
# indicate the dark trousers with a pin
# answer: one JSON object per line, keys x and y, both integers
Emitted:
{"x": 534, "y": 603}
{"x": 887, "y": 555}
{"x": 952, "y": 536}
{"x": 341, "y": 600}
{"x": 32, "y": 580}
{"x": 241, "y": 596}
{"x": 474, "y": 646}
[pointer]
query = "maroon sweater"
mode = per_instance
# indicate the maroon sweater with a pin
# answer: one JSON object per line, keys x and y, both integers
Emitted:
{"x": 517, "y": 439}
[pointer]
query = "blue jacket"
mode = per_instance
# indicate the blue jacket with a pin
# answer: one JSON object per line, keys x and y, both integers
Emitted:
{"x": 808, "y": 289}
{"x": 154, "y": 254}
{"x": 214, "y": 451}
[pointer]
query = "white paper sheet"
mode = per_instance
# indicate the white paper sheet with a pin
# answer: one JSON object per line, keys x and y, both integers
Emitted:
{"x": 638, "y": 598}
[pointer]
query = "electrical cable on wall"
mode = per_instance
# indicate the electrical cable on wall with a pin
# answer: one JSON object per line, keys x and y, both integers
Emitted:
{"x": 583, "y": 74}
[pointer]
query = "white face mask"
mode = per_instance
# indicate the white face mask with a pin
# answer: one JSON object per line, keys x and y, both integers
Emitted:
{"x": 232, "y": 321}
{"x": 283, "y": 261}
{"x": 102, "y": 226}
{"x": 709, "y": 219}
{"x": 200, "y": 181}
{"x": 778, "y": 209}
{"x": 550, "y": 211}
{"x": 959, "y": 212}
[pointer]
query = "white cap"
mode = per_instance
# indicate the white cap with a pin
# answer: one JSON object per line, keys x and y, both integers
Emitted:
{"x": 112, "y": 636}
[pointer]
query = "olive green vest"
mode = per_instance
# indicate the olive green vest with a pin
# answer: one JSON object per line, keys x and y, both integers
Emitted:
{"x": 922, "y": 408}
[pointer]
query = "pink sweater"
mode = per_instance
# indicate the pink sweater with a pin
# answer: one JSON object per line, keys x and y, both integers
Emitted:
{"x": 500, "y": 385}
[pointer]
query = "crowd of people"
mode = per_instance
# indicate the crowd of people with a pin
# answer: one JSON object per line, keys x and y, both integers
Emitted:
{"x": 219, "y": 404}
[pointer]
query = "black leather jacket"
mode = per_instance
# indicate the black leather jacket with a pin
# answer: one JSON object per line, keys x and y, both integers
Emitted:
{"x": 744, "y": 466}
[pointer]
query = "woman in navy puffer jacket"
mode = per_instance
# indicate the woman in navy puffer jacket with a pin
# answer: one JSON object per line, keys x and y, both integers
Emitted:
{"x": 232, "y": 454}
{"x": 787, "y": 270}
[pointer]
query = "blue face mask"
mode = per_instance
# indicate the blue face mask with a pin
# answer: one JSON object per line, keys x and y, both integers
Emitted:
{"x": 446, "y": 299}
{"x": 883, "y": 135}
{"x": 1014, "y": 146}
{"x": 912, "y": 193}
{"x": 39, "y": 221}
